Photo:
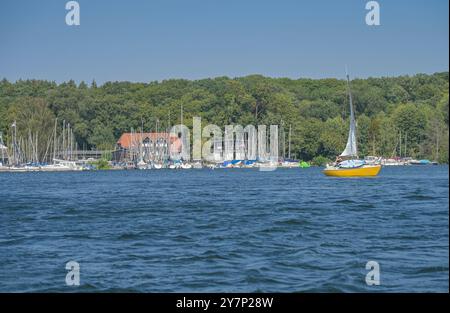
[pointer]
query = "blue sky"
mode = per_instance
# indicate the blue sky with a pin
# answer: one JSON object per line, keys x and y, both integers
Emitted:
{"x": 147, "y": 40}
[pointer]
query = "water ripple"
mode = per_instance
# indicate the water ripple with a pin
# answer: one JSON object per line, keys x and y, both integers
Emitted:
{"x": 239, "y": 230}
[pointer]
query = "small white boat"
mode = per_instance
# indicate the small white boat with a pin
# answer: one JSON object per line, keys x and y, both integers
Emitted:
{"x": 186, "y": 166}
{"x": 141, "y": 165}
{"x": 372, "y": 160}
{"x": 62, "y": 165}
{"x": 266, "y": 164}
{"x": 289, "y": 164}
{"x": 393, "y": 162}
{"x": 56, "y": 168}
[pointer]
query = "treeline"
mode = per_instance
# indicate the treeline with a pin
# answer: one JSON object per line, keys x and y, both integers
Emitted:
{"x": 413, "y": 108}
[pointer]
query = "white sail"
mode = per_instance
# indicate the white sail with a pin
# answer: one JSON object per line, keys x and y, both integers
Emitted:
{"x": 351, "y": 149}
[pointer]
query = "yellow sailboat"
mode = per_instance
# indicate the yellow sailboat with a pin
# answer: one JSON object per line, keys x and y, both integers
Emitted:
{"x": 347, "y": 164}
{"x": 364, "y": 171}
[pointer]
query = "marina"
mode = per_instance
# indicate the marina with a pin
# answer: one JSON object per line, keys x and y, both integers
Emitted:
{"x": 167, "y": 150}
{"x": 89, "y": 165}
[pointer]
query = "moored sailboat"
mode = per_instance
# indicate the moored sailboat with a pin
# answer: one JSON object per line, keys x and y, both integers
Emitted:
{"x": 347, "y": 163}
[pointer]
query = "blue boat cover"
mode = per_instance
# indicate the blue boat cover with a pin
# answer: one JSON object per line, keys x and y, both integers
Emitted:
{"x": 351, "y": 163}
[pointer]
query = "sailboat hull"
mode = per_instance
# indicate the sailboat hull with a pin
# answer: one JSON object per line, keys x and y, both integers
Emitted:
{"x": 363, "y": 171}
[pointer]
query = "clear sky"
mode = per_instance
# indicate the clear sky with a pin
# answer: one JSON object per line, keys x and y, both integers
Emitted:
{"x": 147, "y": 40}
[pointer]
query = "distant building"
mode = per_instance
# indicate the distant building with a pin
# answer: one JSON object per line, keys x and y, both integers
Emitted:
{"x": 149, "y": 146}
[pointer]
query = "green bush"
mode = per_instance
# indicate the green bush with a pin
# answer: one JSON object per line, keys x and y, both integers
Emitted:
{"x": 320, "y": 160}
{"x": 101, "y": 164}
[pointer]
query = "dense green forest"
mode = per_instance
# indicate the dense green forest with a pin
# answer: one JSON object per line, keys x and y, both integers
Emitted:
{"x": 414, "y": 107}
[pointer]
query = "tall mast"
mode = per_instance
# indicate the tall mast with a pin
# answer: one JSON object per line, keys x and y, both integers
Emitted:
{"x": 22, "y": 156}
{"x": 29, "y": 149}
{"x": 352, "y": 110}
{"x": 351, "y": 148}
{"x": 54, "y": 141}
{"x": 181, "y": 115}
{"x": 284, "y": 140}
{"x": 406, "y": 142}
{"x": 64, "y": 140}
{"x": 289, "y": 151}
{"x": 36, "y": 147}
{"x": 157, "y": 141}
{"x": 68, "y": 142}
{"x": 131, "y": 145}
{"x": 141, "y": 142}
{"x": 15, "y": 154}
{"x": 167, "y": 156}
{"x": 1, "y": 148}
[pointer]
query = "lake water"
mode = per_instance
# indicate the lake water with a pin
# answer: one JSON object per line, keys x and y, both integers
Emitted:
{"x": 225, "y": 230}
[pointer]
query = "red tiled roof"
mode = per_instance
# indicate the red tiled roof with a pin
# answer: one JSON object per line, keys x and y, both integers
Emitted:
{"x": 128, "y": 139}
